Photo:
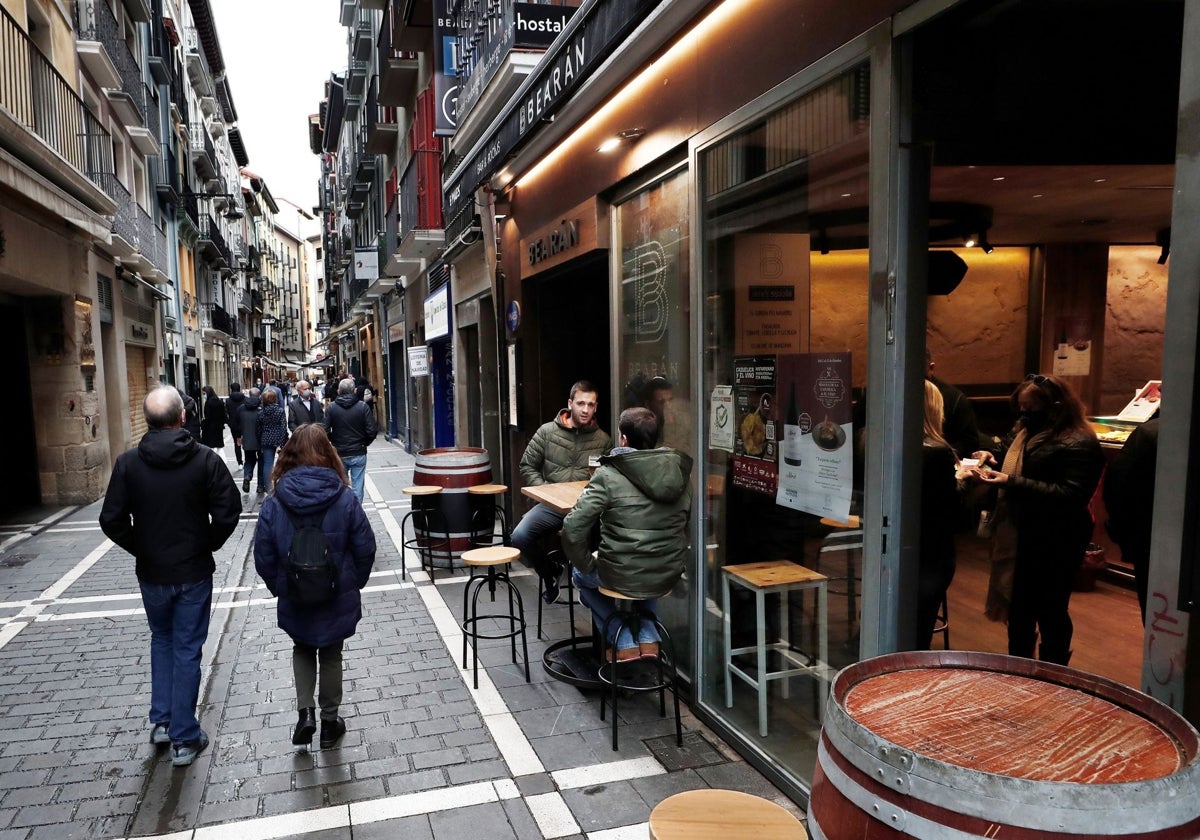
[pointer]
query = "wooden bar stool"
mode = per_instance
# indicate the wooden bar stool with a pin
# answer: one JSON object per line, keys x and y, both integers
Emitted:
{"x": 486, "y": 510}
{"x": 428, "y": 523}
{"x": 495, "y": 560}
{"x": 847, "y": 540}
{"x": 629, "y": 615}
{"x": 714, "y": 814}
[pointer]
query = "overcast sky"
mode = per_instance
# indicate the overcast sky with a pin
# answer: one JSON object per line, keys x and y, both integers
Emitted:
{"x": 278, "y": 54}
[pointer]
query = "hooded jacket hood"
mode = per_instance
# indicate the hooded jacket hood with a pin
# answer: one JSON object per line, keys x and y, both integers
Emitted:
{"x": 237, "y": 397}
{"x": 167, "y": 448}
{"x": 662, "y": 474}
{"x": 347, "y": 400}
{"x": 305, "y": 490}
{"x": 563, "y": 418}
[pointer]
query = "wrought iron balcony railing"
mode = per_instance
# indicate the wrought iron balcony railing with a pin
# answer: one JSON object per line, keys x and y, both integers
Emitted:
{"x": 95, "y": 21}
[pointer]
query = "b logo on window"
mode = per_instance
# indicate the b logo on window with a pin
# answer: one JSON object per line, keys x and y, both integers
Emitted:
{"x": 649, "y": 277}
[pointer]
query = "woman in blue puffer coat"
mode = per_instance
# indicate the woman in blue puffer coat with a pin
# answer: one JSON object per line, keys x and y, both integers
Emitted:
{"x": 309, "y": 479}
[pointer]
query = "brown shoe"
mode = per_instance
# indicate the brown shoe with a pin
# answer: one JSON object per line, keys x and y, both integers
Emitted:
{"x": 622, "y": 655}
{"x": 648, "y": 650}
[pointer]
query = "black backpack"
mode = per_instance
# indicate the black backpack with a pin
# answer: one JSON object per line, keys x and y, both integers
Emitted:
{"x": 312, "y": 573}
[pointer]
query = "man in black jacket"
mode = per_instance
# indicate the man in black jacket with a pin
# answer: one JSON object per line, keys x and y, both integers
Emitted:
{"x": 304, "y": 407}
{"x": 351, "y": 427}
{"x": 171, "y": 503}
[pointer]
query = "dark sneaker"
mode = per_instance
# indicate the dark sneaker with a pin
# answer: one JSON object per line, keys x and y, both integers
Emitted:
{"x": 550, "y": 590}
{"x": 331, "y": 731}
{"x": 184, "y": 754}
{"x": 159, "y": 736}
{"x": 245, "y": 485}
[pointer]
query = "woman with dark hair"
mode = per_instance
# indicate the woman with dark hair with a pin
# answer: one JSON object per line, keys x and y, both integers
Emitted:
{"x": 939, "y": 517}
{"x": 311, "y": 485}
{"x": 1051, "y": 466}
{"x": 271, "y": 425}
{"x": 212, "y": 424}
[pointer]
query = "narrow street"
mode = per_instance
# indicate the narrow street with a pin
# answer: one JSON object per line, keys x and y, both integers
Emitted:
{"x": 425, "y": 755}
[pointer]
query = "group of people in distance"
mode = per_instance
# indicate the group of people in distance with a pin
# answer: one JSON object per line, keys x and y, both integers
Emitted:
{"x": 172, "y": 503}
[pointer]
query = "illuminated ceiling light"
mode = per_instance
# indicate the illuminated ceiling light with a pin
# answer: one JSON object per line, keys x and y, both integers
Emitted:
{"x": 619, "y": 138}
{"x": 984, "y": 245}
{"x": 970, "y": 240}
{"x": 998, "y": 178}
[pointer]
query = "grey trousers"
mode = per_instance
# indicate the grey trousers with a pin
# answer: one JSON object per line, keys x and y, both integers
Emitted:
{"x": 304, "y": 667}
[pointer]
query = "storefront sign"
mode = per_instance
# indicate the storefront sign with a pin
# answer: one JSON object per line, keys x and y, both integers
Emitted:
{"x": 537, "y": 25}
{"x": 772, "y": 303}
{"x": 140, "y": 333}
{"x": 418, "y": 361}
{"x": 592, "y": 39}
{"x": 512, "y": 316}
{"x": 395, "y": 332}
{"x": 581, "y": 229}
{"x": 816, "y": 472}
{"x": 445, "y": 70}
{"x": 268, "y": 321}
{"x": 366, "y": 264}
{"x": 437, "y": 314}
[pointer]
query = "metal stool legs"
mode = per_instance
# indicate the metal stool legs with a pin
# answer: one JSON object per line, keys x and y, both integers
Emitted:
{"x": 629, "y": 616}
{"x": 471, "y": 617}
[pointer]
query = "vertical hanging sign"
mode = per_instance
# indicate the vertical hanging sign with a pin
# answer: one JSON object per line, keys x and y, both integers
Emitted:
{"x": 445, "y": 70}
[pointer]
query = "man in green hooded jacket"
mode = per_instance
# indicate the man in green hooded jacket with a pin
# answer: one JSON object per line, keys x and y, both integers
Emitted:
{"x": 642, "y": 498}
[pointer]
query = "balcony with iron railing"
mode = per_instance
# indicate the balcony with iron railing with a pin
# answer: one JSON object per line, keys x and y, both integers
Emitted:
{"x": 222, "y": 321}
{"x": 399, "y": 70}
{"x": 382, "y": 122}
{"x": 204, "y": 153}
{"x": 152, "y": 246}
{"x": 420, "y": 235}
{"x": 124, "y": 242}
{"x": 198, "y": 70}
{"x": 96, "y": 23}
{"x": 40, "y": 100}
{"x": 179, "y": 102}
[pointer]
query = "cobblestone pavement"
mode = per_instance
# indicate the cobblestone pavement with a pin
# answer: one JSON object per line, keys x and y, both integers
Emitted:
{"x": 426, "y": 755}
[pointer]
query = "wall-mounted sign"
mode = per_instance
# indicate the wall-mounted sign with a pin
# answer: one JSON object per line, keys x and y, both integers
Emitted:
{"x": 537, "y": 25}
{"x": 437, "y": 314}
{"x": 512, "y": 316}
{"x": 445, "y": 70}
{"x": 140, "y": 333}
{"x": 366, "y": 264}
{"x": 268, "y": 321}
{"x": 581, "y": 229}
{"x": 418, "y": 361}
{"x": 322, "y": 326}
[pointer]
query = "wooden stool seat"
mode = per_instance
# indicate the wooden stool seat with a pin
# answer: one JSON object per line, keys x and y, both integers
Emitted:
{"x": 719, "y": 814}
{"x": 492, "y": 555}
{"x": 422, "y": 490}
{"x": 851, "y": 521}
{"x": 488, "y": 489}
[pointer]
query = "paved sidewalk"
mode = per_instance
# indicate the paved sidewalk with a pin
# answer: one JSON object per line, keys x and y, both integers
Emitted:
{"x": 425, "y": 756}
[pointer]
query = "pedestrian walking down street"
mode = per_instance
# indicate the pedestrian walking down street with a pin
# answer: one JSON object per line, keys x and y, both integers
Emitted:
{"x": 271, "y": 425}
{"x": 212, "y": 425}
{"x": 249, "y": 417}
{"x": 191, "y": 417}
{"x": 171, "y": 503}
{"x": 310, "y": 482}
{"x": 304, "y": 407}
{"x": 351, "y": 427}
{"x": 233, "y": 409}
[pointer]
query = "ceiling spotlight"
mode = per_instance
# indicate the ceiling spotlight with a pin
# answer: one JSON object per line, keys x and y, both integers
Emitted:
{"x": 984, "y": 245}
{"x": 621, "y": 136}
{"x": 970, "y": 240}
{"x": 1163, "y": 240}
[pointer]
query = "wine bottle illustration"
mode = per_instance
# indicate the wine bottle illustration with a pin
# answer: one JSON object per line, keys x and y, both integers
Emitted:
{"x": 791, "y": 431}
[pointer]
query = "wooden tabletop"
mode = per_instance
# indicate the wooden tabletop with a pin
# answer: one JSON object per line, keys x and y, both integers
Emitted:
{"x": 560, "y": 497}
{"x": 714, "y": 814}
{"x": 772, "y": 573}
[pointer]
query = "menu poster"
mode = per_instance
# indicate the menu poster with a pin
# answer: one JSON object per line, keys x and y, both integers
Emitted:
{"x": 816, "y": 473}
{"x": 1144, "y": 403}
{"x": 755, "y": 444}
{"x": 720, "y": 425}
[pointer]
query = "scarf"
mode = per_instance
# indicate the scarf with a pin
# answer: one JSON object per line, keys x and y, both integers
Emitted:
{"x": 1004, "y": 541}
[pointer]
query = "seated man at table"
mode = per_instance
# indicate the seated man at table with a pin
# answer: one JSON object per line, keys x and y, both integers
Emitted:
{"x": 641, "y": 496}
{"x": 559, "y": 451}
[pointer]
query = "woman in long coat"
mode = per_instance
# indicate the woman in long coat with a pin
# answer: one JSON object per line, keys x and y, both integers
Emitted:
{"x": 212, "y": 425}
{"x": 310, "y": 480}
{"x": 271, "y": 424}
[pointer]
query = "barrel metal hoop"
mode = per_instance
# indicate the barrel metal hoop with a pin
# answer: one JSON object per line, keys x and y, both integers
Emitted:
{"x": 1152, "y": 805}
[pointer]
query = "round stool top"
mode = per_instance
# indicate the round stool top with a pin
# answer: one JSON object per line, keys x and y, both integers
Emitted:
{"x": 487, "y": 489}
{"x": 714, "y": 814}
{"x": 621, "y": 596}
{"x": 852, "y": 521}
{"x": 422, "y": 490}
{"x": 492, "y": 555}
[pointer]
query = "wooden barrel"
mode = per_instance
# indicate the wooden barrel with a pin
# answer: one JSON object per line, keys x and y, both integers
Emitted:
{"x": 454, "y": 469}
{"x": 954, "y": 744}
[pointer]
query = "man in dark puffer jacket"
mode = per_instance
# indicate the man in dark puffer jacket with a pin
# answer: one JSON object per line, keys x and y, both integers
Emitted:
{"x": 171, "y": 503}
{"x": 559, "y": 451}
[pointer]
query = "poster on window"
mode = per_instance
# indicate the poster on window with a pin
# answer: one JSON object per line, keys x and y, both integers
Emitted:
{"x": 816, "y": 467}
{"x": 755, "y": 444}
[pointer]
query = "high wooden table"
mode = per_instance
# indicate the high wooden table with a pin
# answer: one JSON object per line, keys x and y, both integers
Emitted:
{"x": 560, "y": 497}
{"x": 715, "y": 814}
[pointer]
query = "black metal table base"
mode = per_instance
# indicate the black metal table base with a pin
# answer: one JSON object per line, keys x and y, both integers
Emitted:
{"x": 573, "y": 661}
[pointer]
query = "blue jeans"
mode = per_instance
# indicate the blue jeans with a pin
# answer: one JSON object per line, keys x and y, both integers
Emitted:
{"x": 178, "y": 617}
{"x": 603, "y": 608}
{"x": 266, "y": 463}
{"x": 253, "y": 460}
{"x": 356, "y": 467}
{"x": 527, "y": 536}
